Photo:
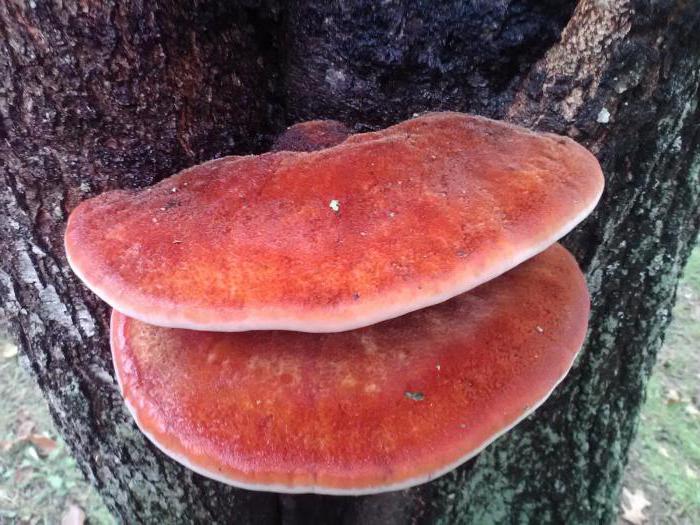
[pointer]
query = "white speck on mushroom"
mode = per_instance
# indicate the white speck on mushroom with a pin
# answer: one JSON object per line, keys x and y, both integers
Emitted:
{"x": 177, "y": 242}
{"x": 163, "y": 209}
{"x": 364, "y": 234}
{"x": 539, "y": 329}
{"x": 438, "y": 367}
{"x": 174, "y": 190}
{"x": 392, "y": 214}
{"x": 154, "y": 220}
{"x": 603, "y": 116}
{"x": 334, "y": 205}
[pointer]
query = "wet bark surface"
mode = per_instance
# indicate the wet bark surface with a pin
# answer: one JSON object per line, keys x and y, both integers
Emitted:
{"x": 95, "y": 96}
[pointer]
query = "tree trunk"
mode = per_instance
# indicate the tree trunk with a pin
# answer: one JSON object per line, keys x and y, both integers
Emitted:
{"x": 102, "y": 95}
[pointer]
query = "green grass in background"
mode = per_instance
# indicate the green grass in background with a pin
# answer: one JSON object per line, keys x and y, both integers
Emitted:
{"x": 665, "y": 457}
{"x": 36, "y": 488}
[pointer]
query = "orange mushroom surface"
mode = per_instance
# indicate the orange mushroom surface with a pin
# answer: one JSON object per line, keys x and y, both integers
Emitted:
{"x": 369, "y": 410}
{"x": 379, "y": 225}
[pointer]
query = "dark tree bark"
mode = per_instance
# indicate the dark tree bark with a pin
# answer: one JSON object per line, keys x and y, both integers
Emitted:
{"x": 100, "y": 95}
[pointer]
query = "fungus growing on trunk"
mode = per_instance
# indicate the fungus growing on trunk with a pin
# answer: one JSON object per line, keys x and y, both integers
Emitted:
{"x": 370, "y": 410}
{"x": 312, "y": 136}
{"x": 380, "y": 225}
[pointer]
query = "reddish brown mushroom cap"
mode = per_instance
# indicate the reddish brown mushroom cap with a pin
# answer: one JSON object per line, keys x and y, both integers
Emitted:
{"x": 370, "y": 410}
{"x": 312, "y": 136}
{"x": 382, "y": 224}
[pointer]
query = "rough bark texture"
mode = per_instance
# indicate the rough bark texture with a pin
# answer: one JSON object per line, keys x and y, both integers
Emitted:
{"x": 99, "y": 95}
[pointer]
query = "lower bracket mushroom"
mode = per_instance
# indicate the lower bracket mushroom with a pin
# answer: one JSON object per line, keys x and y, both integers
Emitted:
{"x": 375, "y": 409}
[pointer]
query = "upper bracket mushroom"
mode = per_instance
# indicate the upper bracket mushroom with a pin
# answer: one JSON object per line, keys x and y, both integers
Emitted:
{"x": 379, "y": 225}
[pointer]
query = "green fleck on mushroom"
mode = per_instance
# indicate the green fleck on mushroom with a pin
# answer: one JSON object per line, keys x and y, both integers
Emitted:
{"x": 415, "y": 396}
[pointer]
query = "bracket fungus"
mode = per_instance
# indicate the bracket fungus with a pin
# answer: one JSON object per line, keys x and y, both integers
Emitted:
{"x": 374, "y": 409}
{"x": 418, "y": 267}
{"x": 426, "y": 209}
{"x": 312, "y": 135}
